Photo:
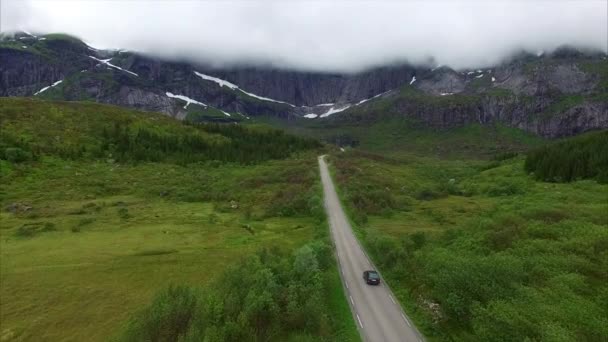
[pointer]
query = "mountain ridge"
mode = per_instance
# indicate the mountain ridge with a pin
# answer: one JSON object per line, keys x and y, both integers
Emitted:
{"x": 553, "y": 95}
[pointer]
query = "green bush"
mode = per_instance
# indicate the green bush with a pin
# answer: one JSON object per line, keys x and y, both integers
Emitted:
{"x": 16, "y": 155}
{"x": 284, "y": 297}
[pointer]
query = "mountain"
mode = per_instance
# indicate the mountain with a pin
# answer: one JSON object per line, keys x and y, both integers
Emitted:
{"x": 557, "y": 94}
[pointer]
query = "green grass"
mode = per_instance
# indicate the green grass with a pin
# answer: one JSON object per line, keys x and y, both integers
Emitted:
{"x": 478, "y": 250}
{"x": 88, "y": 283}
{"x": 402, "y": 137}
{"x": 87, "y": 242}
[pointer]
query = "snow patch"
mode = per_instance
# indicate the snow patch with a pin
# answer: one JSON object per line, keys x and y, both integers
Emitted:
{"x": 479, "y": 76}
{"x": 470, "y": 72}
{"x": 264, "y": 98}
{"x": 371, "y": 98}
{"x": 310, "y": 116}
{"x": 47, "y": 87}
{"x": 324, "y": 104}
{"x": 413, "y": 80}
{"x": 227, "y": 114}
{"x": 493, "y": 79}
{"x": 437, "y": 67}
{"x": 107, "y": 62}
{"x": 187, "y": 99}
{"x": 224, "y": 83}
{"x": 333, "y": 110}
{"x": 23, "y": 46}
{"x": 28, "y": 33}
{"x": 446, "y": 94}
{"x": 342, "y": 149}
{"x": 83, "y": 70}
{"x": 43, "y": 38}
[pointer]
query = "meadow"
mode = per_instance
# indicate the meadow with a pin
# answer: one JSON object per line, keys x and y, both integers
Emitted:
{"x": 93, "y": 234}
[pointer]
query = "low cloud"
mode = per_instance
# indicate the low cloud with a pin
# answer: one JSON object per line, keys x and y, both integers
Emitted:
{"x": 321, "y": 36}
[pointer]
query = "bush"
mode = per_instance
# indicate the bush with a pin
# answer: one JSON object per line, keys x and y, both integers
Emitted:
{"x": 16, "y": 155}
{"x": 283, "y": 297}
{"x": 168, "y": 318}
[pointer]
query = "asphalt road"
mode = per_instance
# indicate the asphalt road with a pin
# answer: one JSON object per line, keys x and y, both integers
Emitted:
{"x": 376, "y": 312}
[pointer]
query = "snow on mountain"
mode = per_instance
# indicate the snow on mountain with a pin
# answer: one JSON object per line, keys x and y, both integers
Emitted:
{"x": 188, "y": 100}
{"x": 333, "y": 110}
{"x": 413, "y": 80}
{"x": 47, "y": 87}
{"x": 107, "y": 62}
{"x": 310, "y": 116}
{"x": 224, "y": 83}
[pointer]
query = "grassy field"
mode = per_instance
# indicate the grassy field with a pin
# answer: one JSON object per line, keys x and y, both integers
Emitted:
{"x": 87, "y": 243}
{"x": 475, "y": 248}
{"x": 402, "y": 137}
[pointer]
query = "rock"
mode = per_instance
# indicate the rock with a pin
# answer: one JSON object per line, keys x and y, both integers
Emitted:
{"x": 16, "y": 208}
{"x": 234, "y": 205}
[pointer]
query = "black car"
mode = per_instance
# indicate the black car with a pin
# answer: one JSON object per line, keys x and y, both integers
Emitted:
{"x": 371, "y": 277}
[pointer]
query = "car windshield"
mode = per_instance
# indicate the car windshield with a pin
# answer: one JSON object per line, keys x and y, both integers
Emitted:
{"x": 373, "y": 275}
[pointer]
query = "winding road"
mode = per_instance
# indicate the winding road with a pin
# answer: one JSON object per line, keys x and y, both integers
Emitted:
{"x": 377, "y": 313}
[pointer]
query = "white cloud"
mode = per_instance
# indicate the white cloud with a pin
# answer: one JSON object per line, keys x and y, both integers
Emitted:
{"x": 325, "y": 36}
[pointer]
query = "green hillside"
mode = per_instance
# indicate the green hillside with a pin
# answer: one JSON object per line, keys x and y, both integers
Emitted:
{"x": 478, "y": 249}
{"x": 110, "y": 216}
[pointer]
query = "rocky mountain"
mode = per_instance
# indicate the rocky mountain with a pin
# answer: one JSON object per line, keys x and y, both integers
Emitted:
{"x": 557, "y": 94}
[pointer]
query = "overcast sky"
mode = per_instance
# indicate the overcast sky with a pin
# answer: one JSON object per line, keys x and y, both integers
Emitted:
{"x": 320, "y": 35}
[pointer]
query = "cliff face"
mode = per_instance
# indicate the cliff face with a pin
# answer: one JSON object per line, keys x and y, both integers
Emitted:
{"x": 557, "y": 95}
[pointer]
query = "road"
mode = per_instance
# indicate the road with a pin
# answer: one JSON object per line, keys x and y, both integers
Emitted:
{"x": 376, "y": 312}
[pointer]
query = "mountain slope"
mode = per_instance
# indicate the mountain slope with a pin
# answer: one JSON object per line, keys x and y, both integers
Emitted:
{"x": 557, "y": 94}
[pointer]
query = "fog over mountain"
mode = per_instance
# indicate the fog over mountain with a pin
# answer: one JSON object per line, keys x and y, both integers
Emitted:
{"x": 314, "y": 35}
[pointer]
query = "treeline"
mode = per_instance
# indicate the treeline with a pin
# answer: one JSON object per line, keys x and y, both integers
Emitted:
{"x": 132, "y": 142}
{"x": 581, "y": 157}
{"x": 267, "y": 297}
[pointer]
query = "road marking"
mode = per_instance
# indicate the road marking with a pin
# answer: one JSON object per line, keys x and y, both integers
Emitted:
{"x": 351, "y": 300}
{"x": 406, "y": 321}
{"x": 359, "y": 319}
{"x": 346, "y": 283}
{"x": 392, "y": 300}
{"x": 341, "y": 270}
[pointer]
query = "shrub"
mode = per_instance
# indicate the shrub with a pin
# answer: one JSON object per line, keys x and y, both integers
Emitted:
{"x": 283, "y": 297}
{"x": 16, "y": 155}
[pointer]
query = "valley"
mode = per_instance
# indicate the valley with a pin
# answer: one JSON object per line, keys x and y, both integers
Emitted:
{"x": 239, "y": 193}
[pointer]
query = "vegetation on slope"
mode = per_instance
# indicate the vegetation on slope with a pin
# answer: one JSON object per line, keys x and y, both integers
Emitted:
{"x": 581, "y": 157}
{"x": 97, "y": 131}
{"x": 92, "y": 241}
{"x": 479, "y": 250}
